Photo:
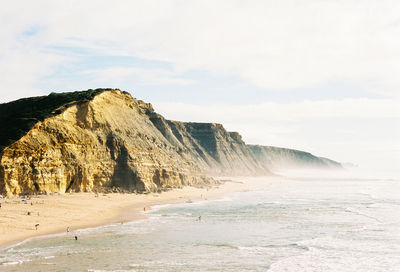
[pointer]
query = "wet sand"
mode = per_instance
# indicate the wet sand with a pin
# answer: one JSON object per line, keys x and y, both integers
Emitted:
{"x": 55, "y": 213}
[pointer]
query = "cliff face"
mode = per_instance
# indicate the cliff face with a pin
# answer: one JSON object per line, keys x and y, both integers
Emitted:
{"x": 107, "y": 141}
{"x": 277, "y": 157}
{"x": 87, "y": 141}
{"x": 216, "y": 150}
{"x": 209, "y": 145}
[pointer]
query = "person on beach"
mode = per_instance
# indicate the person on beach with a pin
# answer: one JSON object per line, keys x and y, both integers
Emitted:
{"x": 199, "y": 218}
{"x": 76, "y": 238}
{"x": 68, "y": 229}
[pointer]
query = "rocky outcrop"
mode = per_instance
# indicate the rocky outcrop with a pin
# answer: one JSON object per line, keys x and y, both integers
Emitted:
{"x": 88, "y": 141}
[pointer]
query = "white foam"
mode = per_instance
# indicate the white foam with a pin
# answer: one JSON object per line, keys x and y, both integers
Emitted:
{"x": 224, "y": 199}
{"x": 14, "y": 262}
{"x": 159, "y": 207}
{"x": 49, "y": 257}
{"x": 96, "y": 270}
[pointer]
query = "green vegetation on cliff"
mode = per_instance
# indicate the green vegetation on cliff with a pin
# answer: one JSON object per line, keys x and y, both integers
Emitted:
{"x": 18, "y": 117}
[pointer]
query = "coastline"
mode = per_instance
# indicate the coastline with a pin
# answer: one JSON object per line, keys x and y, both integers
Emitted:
{"x": 55, "y": 213}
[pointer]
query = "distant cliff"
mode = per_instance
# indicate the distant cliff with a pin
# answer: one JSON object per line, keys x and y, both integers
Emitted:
{"x": 278, "y": 158}
{"x": 97, "y": 139}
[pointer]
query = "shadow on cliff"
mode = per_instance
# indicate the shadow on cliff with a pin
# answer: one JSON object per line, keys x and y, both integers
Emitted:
{"x": 123, "y": 176}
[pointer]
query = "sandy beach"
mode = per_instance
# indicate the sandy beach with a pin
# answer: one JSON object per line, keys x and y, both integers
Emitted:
{"x": 48, "y": 214}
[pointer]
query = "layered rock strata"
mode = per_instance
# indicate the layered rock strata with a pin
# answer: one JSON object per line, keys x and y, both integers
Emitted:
{"x": 105, "y": 142}
{"x": 88, "y": 141}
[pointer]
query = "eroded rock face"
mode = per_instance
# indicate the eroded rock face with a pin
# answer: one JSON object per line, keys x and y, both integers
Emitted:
{"x": 108, "y": 141}
{"x": 217, "y": 151}
{"x": 88, "y": 141}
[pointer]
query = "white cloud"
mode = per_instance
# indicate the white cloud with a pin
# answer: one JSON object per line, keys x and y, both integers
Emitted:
{"x": 24, "y": 59}
{"x": 273, "y": 44}
{"x": 21, "y": 67}
{"x": 276, "y": 112}
{"x": 140, "y": 75}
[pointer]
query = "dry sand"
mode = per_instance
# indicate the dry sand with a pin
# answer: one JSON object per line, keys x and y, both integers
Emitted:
{"x": 55, "y": 213}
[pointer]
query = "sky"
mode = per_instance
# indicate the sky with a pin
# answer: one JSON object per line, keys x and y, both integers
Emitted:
{"x": 314, "y": 75}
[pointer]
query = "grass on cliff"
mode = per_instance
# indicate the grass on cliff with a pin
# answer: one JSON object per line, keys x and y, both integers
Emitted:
{"x": 18, "y": 117}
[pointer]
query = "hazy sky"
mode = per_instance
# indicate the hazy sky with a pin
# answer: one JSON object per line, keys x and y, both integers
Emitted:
{"x": 315, "y": 75}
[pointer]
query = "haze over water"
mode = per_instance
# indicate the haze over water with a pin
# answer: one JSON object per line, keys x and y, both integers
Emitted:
{"x": 297, "y": 224}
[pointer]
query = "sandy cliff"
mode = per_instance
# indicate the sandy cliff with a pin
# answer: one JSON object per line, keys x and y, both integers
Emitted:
{"x": 215, "y": 150}
{"x": 87, "y": 141}
{"x": 107, "y": 141}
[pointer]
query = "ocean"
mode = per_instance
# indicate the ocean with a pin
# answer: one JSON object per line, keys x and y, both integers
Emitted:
{"x": 296, "y": 224}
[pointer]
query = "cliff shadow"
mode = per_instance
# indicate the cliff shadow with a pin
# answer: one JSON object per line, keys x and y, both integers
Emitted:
{"x": 123, "y": 175}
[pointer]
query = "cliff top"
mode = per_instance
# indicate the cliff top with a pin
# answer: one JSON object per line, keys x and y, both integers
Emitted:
{"x": 277, "y": 148}
{"x": 18, "y": 117}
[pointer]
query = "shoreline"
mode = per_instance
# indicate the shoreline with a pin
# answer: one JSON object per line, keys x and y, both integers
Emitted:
{"x": 55, "y": 213}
